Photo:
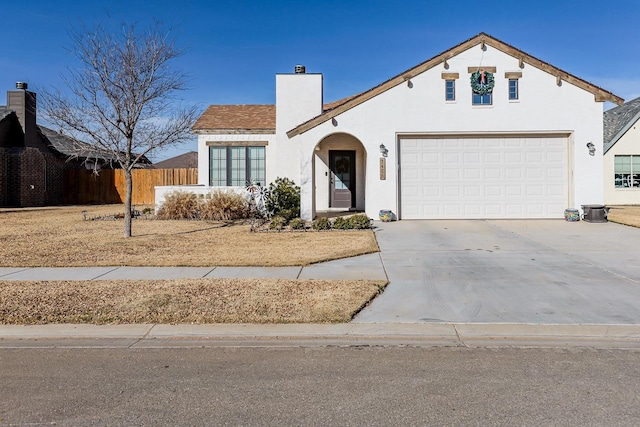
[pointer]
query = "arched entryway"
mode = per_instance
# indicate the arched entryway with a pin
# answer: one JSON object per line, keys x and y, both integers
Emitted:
{"x": 339, "y": 162}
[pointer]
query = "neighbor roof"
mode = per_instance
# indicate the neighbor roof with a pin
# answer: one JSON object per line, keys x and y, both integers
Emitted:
{"x": 251, "y": 118}
{"x": 183, "y": 161}
{"x": 71, "y": 147}
{"x": 618, "y": 120}
{"x": 599, "y": 93}
{"x": 4, "y": 112}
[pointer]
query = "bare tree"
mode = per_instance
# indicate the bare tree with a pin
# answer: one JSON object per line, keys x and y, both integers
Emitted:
{"x": 121, "y": 100}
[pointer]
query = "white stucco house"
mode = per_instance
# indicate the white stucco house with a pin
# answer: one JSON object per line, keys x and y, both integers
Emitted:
{"x": 482, "y": 130}
{"x": 622, "y": 154}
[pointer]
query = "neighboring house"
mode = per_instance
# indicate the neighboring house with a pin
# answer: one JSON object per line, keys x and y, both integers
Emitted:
{"x": 183, "y": 161}
{"x": 425, "y": 143}
{"x": 33, "y": 158}
{"x": 622, "y": 154}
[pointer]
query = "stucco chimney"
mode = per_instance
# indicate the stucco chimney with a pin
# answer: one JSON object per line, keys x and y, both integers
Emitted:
{"x": 298, "y": 98}
{"x": 23, "y": 102}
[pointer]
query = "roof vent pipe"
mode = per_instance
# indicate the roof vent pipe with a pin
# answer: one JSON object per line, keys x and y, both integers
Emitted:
{"x": 22, "y": 85}
{"x": 300, "y": 69}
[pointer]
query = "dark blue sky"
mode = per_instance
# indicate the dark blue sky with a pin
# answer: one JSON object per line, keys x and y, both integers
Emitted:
{"x": 234, "y": 48}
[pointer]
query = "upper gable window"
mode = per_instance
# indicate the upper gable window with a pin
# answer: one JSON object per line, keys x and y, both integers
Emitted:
{"x": 482, "y": 84}
{"x": 514, "y": 84}
{"x": 450, "y": 86}
{"x": 514, "y": 93}
{"x": 450, "y": 90}
{"x": 486, "y": 99}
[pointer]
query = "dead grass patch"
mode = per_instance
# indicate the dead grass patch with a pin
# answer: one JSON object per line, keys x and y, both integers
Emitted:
{"x": 184, "y": 301}
{"x": 58, "y": 237}
{"x": 627, "y": 215}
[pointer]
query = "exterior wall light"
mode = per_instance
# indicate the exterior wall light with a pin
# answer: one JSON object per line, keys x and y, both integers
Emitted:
{"x": 383, "y": 150}
{"x": 592, "y": 148}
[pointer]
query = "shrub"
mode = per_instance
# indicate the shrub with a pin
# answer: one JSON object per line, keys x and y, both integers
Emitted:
{"x": 288, "y": 214}
{"x": 277, "y": 223}
{"x": 360, "y": 222}
{"x": 225, "y": 206}
{"x": 341, "y": 223}
{"x": 283, "y": 195}
{"x": 321, "y": 224}
{"x": 180, "y": 205}
{"x": 298, "y": 224}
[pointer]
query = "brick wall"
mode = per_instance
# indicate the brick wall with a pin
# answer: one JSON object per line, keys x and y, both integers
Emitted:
{"x": 26, "y": 177}
{"x": 3, "y": 176}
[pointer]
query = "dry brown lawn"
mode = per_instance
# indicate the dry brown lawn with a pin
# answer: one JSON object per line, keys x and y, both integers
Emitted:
{"x": 184, "y": 301}
{"x": 628, "y": 215}
{"x": 58, "y": 237}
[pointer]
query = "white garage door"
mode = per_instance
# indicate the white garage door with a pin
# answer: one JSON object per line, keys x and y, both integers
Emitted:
{"x": 460, "y": 178}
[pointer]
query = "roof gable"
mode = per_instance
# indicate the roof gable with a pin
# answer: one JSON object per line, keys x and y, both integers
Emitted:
{"x": 482, "y": 38}
{"x": 618, "y": 120}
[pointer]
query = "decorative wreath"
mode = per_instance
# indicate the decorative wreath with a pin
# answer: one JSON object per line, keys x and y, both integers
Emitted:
{"x": 482, "y": 82}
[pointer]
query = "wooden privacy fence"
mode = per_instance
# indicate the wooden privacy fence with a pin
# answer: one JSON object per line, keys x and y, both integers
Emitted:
{"x": 83, "y": 187}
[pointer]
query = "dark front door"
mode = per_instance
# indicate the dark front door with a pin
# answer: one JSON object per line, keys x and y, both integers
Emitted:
{"x": 343, "y": 179}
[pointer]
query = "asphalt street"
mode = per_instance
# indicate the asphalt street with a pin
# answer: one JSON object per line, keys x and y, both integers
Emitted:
{"x": 353, "y": 385}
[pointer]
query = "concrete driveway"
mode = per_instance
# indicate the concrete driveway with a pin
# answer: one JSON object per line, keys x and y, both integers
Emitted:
{"x": 508, "y": 271}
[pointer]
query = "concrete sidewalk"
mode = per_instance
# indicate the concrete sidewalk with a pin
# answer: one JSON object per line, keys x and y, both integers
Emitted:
{"x": 364, "y": 267}
{"x": 314, "y": 335}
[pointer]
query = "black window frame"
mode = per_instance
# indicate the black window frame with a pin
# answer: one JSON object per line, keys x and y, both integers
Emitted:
{"x": 229, "y": 165}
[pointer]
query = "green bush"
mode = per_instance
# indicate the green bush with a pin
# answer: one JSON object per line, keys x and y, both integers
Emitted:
{"x": 341, "y": 223}
{"x": 277, "y": 223}
{"x": 224, "y": 206}
{"x": 180, "y": 205}
{"x": 321, "y": 224}
{"x": 297, "y": 224}
{"x": 360, "y": 222}
{"x": 283, "y": 198}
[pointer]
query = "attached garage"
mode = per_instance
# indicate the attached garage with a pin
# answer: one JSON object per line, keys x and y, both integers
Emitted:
{"x": 477, "y": 177}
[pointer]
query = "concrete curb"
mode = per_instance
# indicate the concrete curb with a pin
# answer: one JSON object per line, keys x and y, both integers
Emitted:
{"x": 313, "y": 335}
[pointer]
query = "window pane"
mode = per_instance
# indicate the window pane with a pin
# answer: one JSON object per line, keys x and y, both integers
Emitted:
{"x": 513, "y": 88}
{"x": 481, "y": 99}
{"x": 257, "y": 165}
{"x": 238, "y": 165}
{"x": 217, "y": 166}
{"x": 450, "y": 90}
{"x": 622, "y": 164}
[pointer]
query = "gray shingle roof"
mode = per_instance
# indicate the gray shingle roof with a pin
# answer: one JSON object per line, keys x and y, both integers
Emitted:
{"x": 4, "y": 112}
{"x": 186, "y": 160}
{"x": 68, "y": 146}
{"x": 618, "y": 120}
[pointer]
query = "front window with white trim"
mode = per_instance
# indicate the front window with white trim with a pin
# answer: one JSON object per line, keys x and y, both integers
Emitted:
{"x": 236, "y": 166}
{"x": 627, "y": 171}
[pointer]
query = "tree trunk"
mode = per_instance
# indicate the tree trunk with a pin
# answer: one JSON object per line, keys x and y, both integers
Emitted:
{"x": 127, "y": 202}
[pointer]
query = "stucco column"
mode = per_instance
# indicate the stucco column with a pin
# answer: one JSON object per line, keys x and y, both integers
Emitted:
{"x": 306, "y": 186}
